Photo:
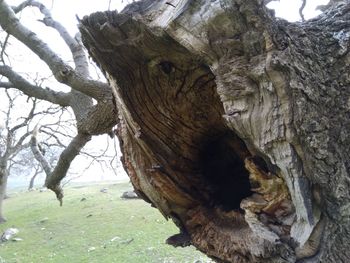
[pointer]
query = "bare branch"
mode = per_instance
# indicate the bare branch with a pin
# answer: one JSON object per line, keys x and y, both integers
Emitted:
{"x": 90, "y": 119}
{"x": 15, "y": 145}
{"x": 67, "y": 181}
{"x": 21, "y": 6}
{"x": 26, "y": 119}
{"x": 114, "y": 159}
{"x": 62, "y": 72}
{"x": 9, "y": 137}
{"x": 38, "y": 154}
{"x": 54, "y": 176}
{"x": 3, "y": 48}
{"x": 48, "y": 130}
{"x": 74, "y": 44}
{"x": 50, "y": 111}
{"x": 14, "y": 148}
{"x": 20, "y": 146}
{"x": 301, "y": 9}
{"x": 52, "y": 135}
{"x": 38, "y": 170}
{"x": 6, "y": 85}
{"x": 67, "y": 156}
{"x": 27, "y": 88}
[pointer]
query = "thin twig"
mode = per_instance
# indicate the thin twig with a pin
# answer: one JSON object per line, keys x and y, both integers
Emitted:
{"x": 301, "y": 9}
{"x": 3, "y": 48}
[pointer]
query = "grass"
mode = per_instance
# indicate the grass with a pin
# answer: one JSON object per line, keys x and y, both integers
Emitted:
{"x": 101, "y": 228}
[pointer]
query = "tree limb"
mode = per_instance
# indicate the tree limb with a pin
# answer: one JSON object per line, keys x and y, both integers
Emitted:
{"x": 74, "y": 44}
{"x": 20, "y": 146}
{"x": 6, "y": 85}
{"x": 21, "y": 6}
{"x": 91, "y": 119}
{"x": 54, "y": 176}
{"x": 18, "y": 82}
{"x": 38, "y": 170}
{"x": 52, "y": 135}
{"x": 3, "y": 48}
{"x": 37, "y": 153}
{"x": 67, "y": 156}
{"x": 26, "y": 119}
{"x": 62, "y": 72}
{"x": 301, "y": 9}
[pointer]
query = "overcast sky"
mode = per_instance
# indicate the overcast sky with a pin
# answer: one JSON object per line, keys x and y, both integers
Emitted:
{"x": 289, "y": 9}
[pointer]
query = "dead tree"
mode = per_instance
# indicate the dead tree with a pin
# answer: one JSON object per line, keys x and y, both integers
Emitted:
{"x": 234, "y": 124}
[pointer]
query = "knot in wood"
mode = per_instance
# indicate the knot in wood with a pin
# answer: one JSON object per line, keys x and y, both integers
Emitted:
{"x": 166, "y": 67}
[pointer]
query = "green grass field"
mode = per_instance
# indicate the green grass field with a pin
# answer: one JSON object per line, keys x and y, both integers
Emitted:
{"x": 103, "y": 228}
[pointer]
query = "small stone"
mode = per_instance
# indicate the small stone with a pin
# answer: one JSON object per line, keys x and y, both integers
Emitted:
{"x": 44, "y": 220}
{"x": 90, "y": 249}
{"x": 129, "y": 195}
{"x": 104, "y": 190}
{"x": 8, "y": 234}
{"x": 115, "y": 238}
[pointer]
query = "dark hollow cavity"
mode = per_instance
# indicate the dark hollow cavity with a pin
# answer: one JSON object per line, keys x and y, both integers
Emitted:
{"x": 222, "y": 168}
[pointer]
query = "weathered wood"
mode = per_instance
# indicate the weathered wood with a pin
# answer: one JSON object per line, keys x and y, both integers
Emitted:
{"x": 234, "y": 124}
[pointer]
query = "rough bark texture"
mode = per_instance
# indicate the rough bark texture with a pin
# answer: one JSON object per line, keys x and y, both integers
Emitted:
{"x": 234, "y": 124}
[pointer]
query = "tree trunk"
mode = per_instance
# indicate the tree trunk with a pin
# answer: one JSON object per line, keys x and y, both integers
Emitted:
{"x": 3, "y": 185}
{"x": 31, "y": 182}
{"x": 234, "y": 124}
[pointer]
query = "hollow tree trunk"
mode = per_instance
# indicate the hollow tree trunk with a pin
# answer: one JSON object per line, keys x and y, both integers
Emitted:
{"x": 234, "y": 124}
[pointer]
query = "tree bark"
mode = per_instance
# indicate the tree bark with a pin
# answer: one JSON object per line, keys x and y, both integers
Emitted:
{"x": 234, "y": 124}
{"x": 3, "y": 185}
{"x": 91, "y": 118}
{"x": 31, "y": 182}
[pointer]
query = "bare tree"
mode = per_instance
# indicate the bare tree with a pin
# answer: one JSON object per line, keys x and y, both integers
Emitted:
{"x": 24, "y": 164}
{"x": 37, "y": 170}
{"x": 91, "y": 118}
{"x": 13, "y": 139}
{"x": 235, "y": 124}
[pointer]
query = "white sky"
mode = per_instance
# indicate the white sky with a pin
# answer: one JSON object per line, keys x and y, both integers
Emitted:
{"x": 65, "y": 12}
{"x": 289, "y": 9}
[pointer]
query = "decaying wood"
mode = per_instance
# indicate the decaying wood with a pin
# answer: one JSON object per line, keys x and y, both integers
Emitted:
{"x": 234, "y": 124}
